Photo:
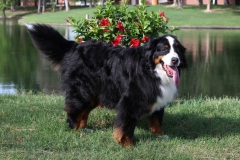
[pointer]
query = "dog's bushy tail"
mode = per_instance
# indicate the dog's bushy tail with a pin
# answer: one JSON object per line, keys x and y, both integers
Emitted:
{"x": 49, "y": 42}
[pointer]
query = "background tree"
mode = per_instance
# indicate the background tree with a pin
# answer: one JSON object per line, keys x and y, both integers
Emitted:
{"x": 43, "y": 6}
{"x": 90, "y": 3}
{"x": 39, "y": 6}
{"x": 180, "y": 5}
{"x": 53, "y": 2}
{"x": 12, "y": 4}
{"x": 67, "y": 5}
{"x": 200, "y": 2}
{"x": 175, "y": 3}
{"x": 226, "y": 2}
{"x": 208, "y": 9}
{"x": 3, "y": 7}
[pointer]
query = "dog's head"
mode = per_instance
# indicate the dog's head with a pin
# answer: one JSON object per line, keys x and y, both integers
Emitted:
{"x": 168, "y": 53}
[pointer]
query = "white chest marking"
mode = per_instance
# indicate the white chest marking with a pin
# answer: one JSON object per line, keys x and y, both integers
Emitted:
{"x": 167, "y": 88}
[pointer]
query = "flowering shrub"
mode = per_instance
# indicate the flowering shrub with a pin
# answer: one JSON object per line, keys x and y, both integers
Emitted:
{"x": 118, "y": 25}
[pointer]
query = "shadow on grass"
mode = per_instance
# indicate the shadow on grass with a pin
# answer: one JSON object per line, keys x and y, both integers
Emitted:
{"x": 236, "y": 12}
{"x": 186, "y": 126}
{"x": 191, "y": 126}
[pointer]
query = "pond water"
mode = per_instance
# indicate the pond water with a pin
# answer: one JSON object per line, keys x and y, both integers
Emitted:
{"x": 213, "y": 57}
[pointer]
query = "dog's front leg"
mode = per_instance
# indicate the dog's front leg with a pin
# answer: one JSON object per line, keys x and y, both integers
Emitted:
{"x": 124, "y": 129}
{"x": 155, "y": 122}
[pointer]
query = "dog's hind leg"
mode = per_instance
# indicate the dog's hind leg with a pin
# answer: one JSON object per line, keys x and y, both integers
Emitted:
{"x": 78, "y": 115}
{"x": 155, "y": 122}
{"x": 82, "y": 118}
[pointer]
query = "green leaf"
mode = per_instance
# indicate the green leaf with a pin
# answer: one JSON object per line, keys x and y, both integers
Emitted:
{"x": 136, "y": 23}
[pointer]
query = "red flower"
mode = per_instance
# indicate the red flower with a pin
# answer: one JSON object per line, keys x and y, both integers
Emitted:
{"x": 79, "y": 40}
{"x": 105, "y": 30}
{"x": 167, "y": 19}
{"x": 67, "y": 20}
{"x": 144, "y": 39}
{"x": 161, "y": 14}
{"x": 104, "y": 22}
{"x": 120, "y": 26}
{"x": 117, "y": 40}
{"x": 138, "y": 25}
{"x": 134, "y": 42}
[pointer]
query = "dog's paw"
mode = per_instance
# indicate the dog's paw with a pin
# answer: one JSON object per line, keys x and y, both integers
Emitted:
{"x": 88, "y": 130}
{"x": 164, "y": 137}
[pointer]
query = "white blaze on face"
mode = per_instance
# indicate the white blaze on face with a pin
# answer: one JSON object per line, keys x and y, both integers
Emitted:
{"x": 167, "y": 59}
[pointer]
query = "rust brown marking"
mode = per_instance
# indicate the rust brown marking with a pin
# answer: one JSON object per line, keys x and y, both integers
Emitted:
{"x": 82, "y": 118}
{"x": 78, "y": 121}
{"x": 101, "y": 105}
{"x": 81, "y": 121}
{"x": 117, "y": 134}
{"x": 166, "y": 46}
{"x": 68, "y": 110}
{"x": 149, "y": 107}
{"x": 121, "y": 138}
{"x": 155, "y": 125}
{"x": 56, "y": 66}
{"x": 158, "y": 59}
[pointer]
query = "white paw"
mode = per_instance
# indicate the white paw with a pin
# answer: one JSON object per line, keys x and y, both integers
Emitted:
{"x": 165, "y": 137}
{"x": 88, "y": 130}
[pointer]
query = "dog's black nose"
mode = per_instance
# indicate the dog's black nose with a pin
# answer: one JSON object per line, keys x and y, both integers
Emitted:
{"x": 174, "y": 61}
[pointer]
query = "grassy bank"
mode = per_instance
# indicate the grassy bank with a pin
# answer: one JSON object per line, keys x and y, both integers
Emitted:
{"x": 189, "y": 16}
{"x": 33, "y": 127}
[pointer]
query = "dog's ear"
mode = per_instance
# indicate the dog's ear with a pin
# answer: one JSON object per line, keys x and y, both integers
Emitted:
{"x": 151, "y": 44}
{"x": 150, "y": 47}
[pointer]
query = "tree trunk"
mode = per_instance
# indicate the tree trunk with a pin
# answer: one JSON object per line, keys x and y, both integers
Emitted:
{"x": 90, "y": 3}
{"x": 180, "y": 6}
{"x": 53, "y": 5}
{"x": 12, "y": 7}
{"x": 67, "y": 6}
{"x": 200, "y": 2}
{"x": 39, "y": 7}
{"x": 3, "y": 13}
{"x": 3, "y": 9}
{"x": 175, "y": 3}
{"x": 43, "y": 6}
{"x": 208, "y": 9}
{"x": 226, "y": 2}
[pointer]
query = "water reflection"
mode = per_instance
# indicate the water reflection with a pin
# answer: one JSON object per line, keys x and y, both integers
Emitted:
{"x": 213, "y": 60}
{"x": 212, "y": 56}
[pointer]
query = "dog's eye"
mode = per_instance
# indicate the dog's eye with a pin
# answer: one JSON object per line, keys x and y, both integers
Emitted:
{"x": 166, "y": 47}
{"x": 162, "y": 48}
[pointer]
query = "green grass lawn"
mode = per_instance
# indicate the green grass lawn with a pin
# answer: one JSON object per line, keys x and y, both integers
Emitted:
{"x": 33, "y": 127}
{"x": 226, "y": 16}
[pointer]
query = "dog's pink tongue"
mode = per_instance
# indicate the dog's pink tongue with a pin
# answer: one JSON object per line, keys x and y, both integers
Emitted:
{"x": 175, "y": 72}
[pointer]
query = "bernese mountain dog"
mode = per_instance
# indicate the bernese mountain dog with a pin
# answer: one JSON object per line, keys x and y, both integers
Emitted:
{"x": 135, "y": 81}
